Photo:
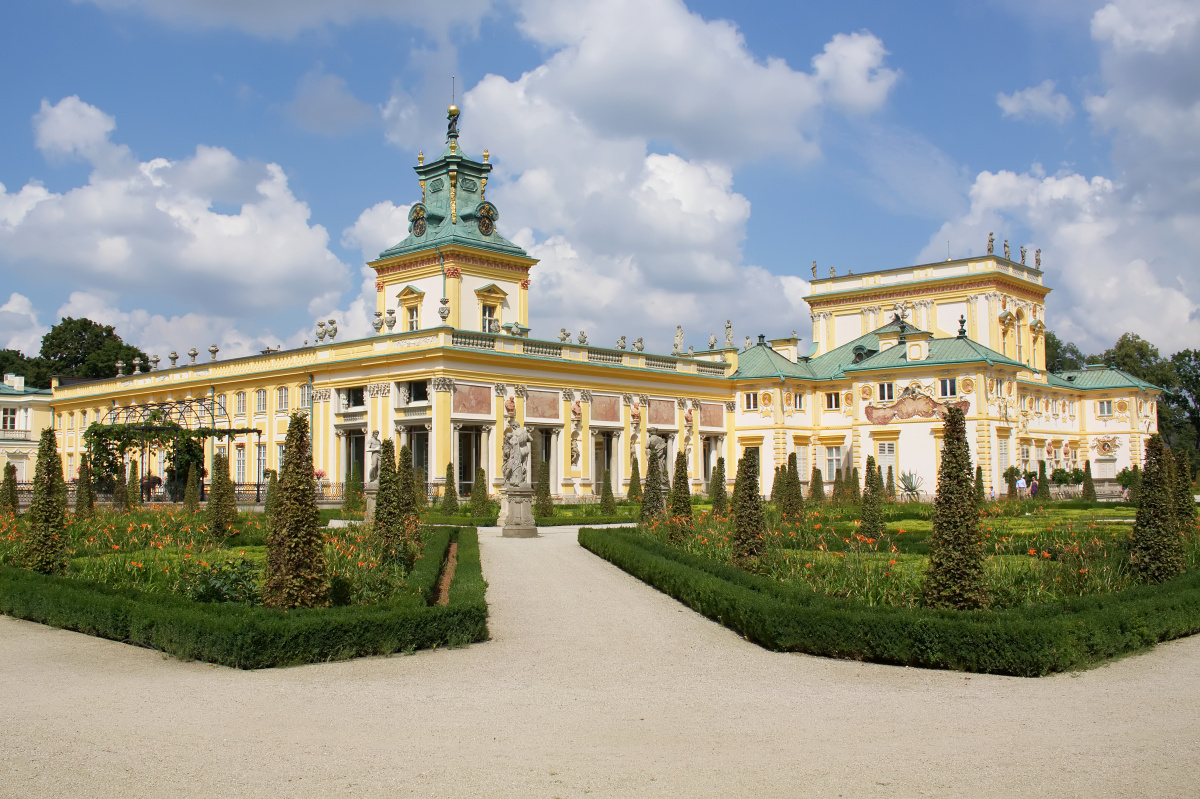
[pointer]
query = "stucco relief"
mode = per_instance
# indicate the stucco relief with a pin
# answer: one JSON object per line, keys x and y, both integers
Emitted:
{"x": 912, "y": 404}
{"x": 472, "y": 399}
{"x": 543, "y": 404}
{"x": 606, "y": 408}
{"x": 662, "y": 412}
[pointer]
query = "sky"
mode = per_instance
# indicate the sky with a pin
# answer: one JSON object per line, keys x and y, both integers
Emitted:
{"x": 219, "y": 171}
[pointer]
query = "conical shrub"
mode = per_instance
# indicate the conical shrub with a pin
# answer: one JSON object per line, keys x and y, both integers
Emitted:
{"x": 716, "y": 489}
{"x": 635, "y": 481}
{"x": 955, "y": 578}
{"x": 839, "y": 486}
{"x": 85, "y": 495}
{"x": 9, "y": 501}
{"x": 47, "y": 515}
{"x": 816, "y": 486}
{"x": 749, "y": 526}
{"x": 681, "y": 495}
{"x": 608, "y": 503}
{"x": 479, "y": 495}
{"x": 272, "y": 498}
{"x": 890, "y": 487}
{"x": 1156, "y": 548}
{"x": 133, "y": 486}
{"x": 191, "y": 494}
{"x": 1089, "y": 486}
{"x": 354, "y": 503}
{"x": 120, "y": 500}
{"x": 652, "y": 500}
{"x": 420, "y": 488}
{"x": 221, "y": 510}
{"x": 409, "y": 490}
{"x": 1185, "y": 502}
{"x": 854, "y": 493}
{"x": 1135, "y": 485}
{"x": 296, "y": 575}
{"x": 792, "y": 501}
{"x": 777, "y": 485}
{"x": 449, "y": 504}
{"x": 872, "y": 503}
{"x": 980, "y": 497}
{"x": 388, "y": 522}
{"x": 543, "y": 503}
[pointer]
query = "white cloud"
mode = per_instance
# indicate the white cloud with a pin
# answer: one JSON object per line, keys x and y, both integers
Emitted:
{"x": 19, "y": 326}
{"x": 72, "y": 128}
{"x": 1036, "y": 101}
{"x": 851, "y": 68}
{"x": 324, "y": 104}
{"x": 286, "y": 18}
{"x": 377, "y": 228}
{"x": 1153, "y": 26}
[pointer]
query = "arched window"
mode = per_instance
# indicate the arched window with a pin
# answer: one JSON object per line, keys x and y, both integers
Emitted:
{"x": 305, "y": 395}
{"x": 260, "y": 401}
{"x": 1020, "y": 336}
{"x": 281, "y": 398}
{"x": 241, "y": 403}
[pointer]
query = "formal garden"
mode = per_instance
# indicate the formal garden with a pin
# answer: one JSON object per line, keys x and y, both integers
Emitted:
{"x": 1017, "y": 586}
{"x": 242, "y": 589}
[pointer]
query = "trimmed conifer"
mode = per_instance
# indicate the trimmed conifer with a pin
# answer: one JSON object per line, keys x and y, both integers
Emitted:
{"x": 872, "y": 502}
{"x": 449, "y": 504}
{"x": 85, "y": 495}
{"x": 955, "y": 578}
{"x": 479, "y": 494}
{"x": 980, "y": 497}
{"x": 1042, "y": 484}
{"x": 47, "y": 514}
{"x": 9, "y": 501}
{"x": 1010, "y": 478}
{"x": 1135, "y": 485}
{"x": 388, "y": 524}
{"x": 408, "y": 487}
{"x": 635, "y": 481}
{"x": 748, "y": 523}
{"x": 191, "y": 494}
{"x": 890, "y": 488}
{"x": 1185, "y": 502}
{"x": 716, "y": 488}
{"x": 420, "y": 487}
{"x": 652, "y": 499}
{"x": 353, "y": 501}
{"x": 120, "y": 500}
{"x": 816, "y": 486}
{"x": 133, "y": 487}
{"x": 793, "y": 496}
{"x": 296, "y": 576}
{"x": 839, "y": 487}
{"x": 543, "y": 503}
{"x": 681, "y": 495}
{"x": 855, "y": 491}
{"x": 608, "y": 503}
{"x": 221, "y": 509}
{"x": 271, "y": 500}
{"x": 777, "y": 488}
{"x": 1089, "y": 486}
{"x": 1156, "y": 548}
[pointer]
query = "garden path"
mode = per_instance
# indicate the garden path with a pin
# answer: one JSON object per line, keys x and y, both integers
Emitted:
{"x": 593, "y": 683}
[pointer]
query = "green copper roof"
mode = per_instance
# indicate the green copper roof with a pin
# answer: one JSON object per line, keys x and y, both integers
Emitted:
{"x": 761, "y": 361}
{"x": 8, "y": 391}
{"x": 1097, "y": 378}
{"x": 942, "y": 351}
{"x": 473, "y": 223}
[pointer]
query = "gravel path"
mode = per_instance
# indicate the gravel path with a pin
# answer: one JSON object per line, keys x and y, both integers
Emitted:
{"x": 593, "y": 683}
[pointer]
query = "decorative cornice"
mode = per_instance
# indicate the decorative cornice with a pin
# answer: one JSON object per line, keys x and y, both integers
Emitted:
{"x": 464, "y": 260}
{"x": 899, "y": 293}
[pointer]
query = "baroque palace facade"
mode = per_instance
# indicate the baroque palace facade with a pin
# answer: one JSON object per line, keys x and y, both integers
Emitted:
{"x": 453, "y": 365}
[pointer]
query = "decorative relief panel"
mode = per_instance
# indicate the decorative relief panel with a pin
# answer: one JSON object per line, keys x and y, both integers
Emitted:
{"x": 443, "y": 384}
{"x": 605, "y": 408}
{"x": 543, "y": 404}
{"x": 379, "y": 389}
{"x": 472, "y": 399}
{"x": 662, "y": 412}
{"x": 520, "y": 390}
{"x": 321, "y": 395}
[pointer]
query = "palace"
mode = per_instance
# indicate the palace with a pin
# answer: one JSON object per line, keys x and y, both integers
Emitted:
{"x": 453, "y": 364}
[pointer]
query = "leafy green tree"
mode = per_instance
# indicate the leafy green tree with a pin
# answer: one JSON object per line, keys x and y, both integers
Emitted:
{"x": 980, "y": 497}
{"x": 354, "y": 503}
{"x": 635, "y": 481}
{"x": 716, "y": 489}
{"x": 955, "y": 578}
{"x": 1184, "y": 397}
{"x": 608, "y": 503}
{"x": 47, "y": 514}
{"x": 133, "y": 486}
{"x": 543, "y": 503}
{"x": 890, "y": 489}
{"x": 449, "y": 503}
{"x": 221, "y": 510}
{"x": 80, "y": 348}
{"x": 652, "y": 499}
{"x": 9, "y": 502}
{"x": 681, "y": 495}
{"x": 839, "y": 487}
{"x": 272, "y": 498}
{"x": 479, "y": 495}
{"x": 191, "y": 495}
{"x": 296, "y": 574}
{"x": 816, "y": 486}
{"x": 1062, "y": 356}
{"x": 749, "y": 525}
{"x": 184, "y": 453}
{"x": 85, "y": 496}
{"x": 872, "y": 525}
{"x": 1156, "y": 548}
{"x": 1089, "y": 487}
{"x": 854, "y": 493}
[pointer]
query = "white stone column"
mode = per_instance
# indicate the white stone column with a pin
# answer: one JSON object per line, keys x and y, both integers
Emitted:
{"x": 489, "y": 468}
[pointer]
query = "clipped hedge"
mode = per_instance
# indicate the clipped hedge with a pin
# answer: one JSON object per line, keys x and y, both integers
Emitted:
{"x": 1026, "y": 642}
{"x": 566, "y": 521}
{"x": 255, "y": 637}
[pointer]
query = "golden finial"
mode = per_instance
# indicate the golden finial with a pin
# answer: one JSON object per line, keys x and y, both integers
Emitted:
{"x": 452, "y": 110}
{"x": 486, "y": 155}
{"x": 420, "y": 158}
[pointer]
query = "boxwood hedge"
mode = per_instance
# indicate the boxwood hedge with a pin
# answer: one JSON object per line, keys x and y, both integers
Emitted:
{"x": 1027, "y": 642}
{"x": 251, "y": 637}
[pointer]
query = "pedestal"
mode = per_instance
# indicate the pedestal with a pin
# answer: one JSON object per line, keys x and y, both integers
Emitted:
{"x": 517, "y": 512}
{"x": 370, "y": 491}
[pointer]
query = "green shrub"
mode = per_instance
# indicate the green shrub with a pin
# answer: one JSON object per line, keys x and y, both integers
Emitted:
{"x": 816, "y": 486}
{"x": 955, "y": 578}
{"x": 635, "y": 480}
{"x": 855, "y": 492}
{"x": 1185, "y": 502}
{"x": 1089, "y": 487}
{"x": 388, "y": 521}
{"x": 716, "y": 489}
{"x": 354, "y": 504}
{"x": 681, "y": 491}
{"x": 1026, "y": 641}
{"x": 191, "y": 495}
{"x": 120, "y": 499}
{"x": 221, "y": 509}
{"x": 652, "y": 498}
{"x": 9, "y": 502}
{"x": 980, "y": 497}
{"x": 295, "y": 575}
{"x": 1011, "y": 475}
{"x": 480, "y": 505}
{"x": 777, "y": 484}
{"x": 543, "y": 503}
{"x": 839, "y": 487}
{"x": 449, "y": 503}
{"x": 872, "y": 503}
{"x": 47, "y": 515}
{"x": 748, "y": 523}
{"x": 890, "y": 489}
{"x": 608, "y": 503}
{"x": 420, "y": 488}
{"x": 1042, "y": 484}
{"x": 272, "y": 498}
{"x": 408, "y": 488}
{"x": 85, "y": 495}
{"x": 133, "y": 488}
{"x": 1156, "y": 547}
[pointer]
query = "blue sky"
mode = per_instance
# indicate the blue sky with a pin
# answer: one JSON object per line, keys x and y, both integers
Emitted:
{"x": 200, "y": 171}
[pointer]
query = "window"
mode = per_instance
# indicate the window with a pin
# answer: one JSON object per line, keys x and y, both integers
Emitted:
{"x": 71, "y": 420}
{"x": 60, "y": 427}
{"x": 278, "y": 456}
{"x": 418, "y": 391}
{"x": 414, "y": 317}
{"x": 9, "y": 419}
{"x": 833, "y": 401}
{"x": 1025, "y": 453}
{"x": 802, "y": 462}
{"x": 241, "y": 464}
{"x": 281, "y": 398}
{"x": 798, "y": 400}
{"x": 241, "y": 403}
{"x": 750, "y": 401}
{"x": 260, "y": 462}
{"x": 70, "y": 466}
{"x": 487, "y": 316}
{"x": 221, "y": 405}
{"x": 886, "y": 457}
{"x": 305, "y": 395}
{"x": 1002, "y": 453}
{"x": 886, "y": 391}
{"x": 833, "y": 461}
{"x": 1104, "y": 408}
{"x": 222, "y": 451}
{"x": 355, "y": 397}
{"x": 1020, "y": 341}
{"x": 260, "y": 401}
{"x": 948, "y": 386}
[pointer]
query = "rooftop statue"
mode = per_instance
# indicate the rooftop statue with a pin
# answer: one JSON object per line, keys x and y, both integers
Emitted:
{"x": 1007, "y": 251}
{"x": 991, "y": 244}
{"x": 638, "y": 346}
{"x": 729, "y": 326}
{"x": 712, "y": 341}
{"x": 563, "y": 335}
{"x": 678, "y": 340}
{"x": 621, "y": 343}
{"x": 583, "y": 337}
{"x": 1037, "y": 258}
{"x": 1022, "y": 253}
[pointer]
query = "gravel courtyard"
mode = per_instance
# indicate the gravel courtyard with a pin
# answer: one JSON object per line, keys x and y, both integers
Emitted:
{"x": 592, "y": 684}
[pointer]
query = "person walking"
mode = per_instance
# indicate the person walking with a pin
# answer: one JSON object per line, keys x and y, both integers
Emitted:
{"x": 1021, "y": 486}
{"x": 1033, "y": 487}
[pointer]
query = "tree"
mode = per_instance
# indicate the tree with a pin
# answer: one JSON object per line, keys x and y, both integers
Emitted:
{"x": 777, "y": 485}
{"x": 388, "y": 521}
{"x": 1062, "y": 356}
{"x": 543, "y": 503}
{"x": 1185, "y": 502}
{"x": 9, "y": 502}
{"x": 85, "y": 496}
{"x": 449, "y": 504}
{"x": 409, "y": 490}
{"x": 479, "y": 495}
{"x": 221, "y": 509}
{"x": 652, "y": 499}
{"x": 1089, "y": 487}
{"x": 120, "y": 499}
{"x": 890, "y": 488}
{"x": 80, "y": 348}
{"x": 681, "y": 494}
{"x": 420, "y": 488}
{"x": 635, "y": 481}
{"x": 353, "y": 502}
{"x": 816, "y": 486}
{"x": 608, "y": 504}
{"x": 191, "y": 495}
{"x": 955, "y": 578}
{"x": 980, "y": 497}
{"x": 272, "y": 498}
{"x": 295, "y": 575}
{"x": 133, "y": 486}
{"x": 872, "y": 503}
{"x": 748, "y": 522}
{"x": 839, "y": 486}
{"x": 854, "y": 493}
{"x": 793, "y": 497}
{"x": 48, "y": 513}
{"x": 1041, "y": 478}
{"x": 1156, "y": 548}
{"x": 716, "y": 489}
{"x": 1184, "y": 396}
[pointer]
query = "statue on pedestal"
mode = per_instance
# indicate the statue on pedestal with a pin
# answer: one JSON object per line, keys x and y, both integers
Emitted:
{"x": 373, "y": 447}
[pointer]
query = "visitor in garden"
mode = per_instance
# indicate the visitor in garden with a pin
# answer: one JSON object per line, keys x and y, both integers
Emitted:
{"x": 1021, "y": 486}
{"x": 1033, "y": 487}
